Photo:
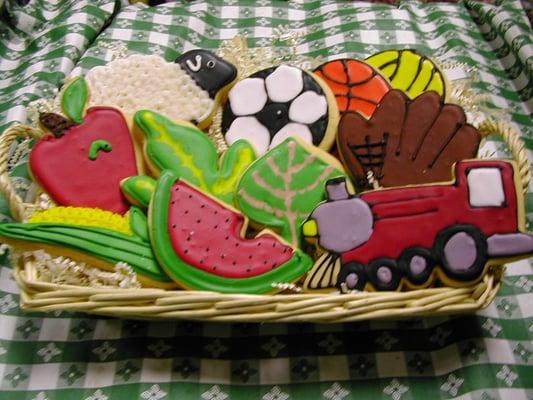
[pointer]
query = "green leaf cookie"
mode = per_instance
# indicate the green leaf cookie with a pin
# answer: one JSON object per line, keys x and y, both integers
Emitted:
{"x": 282, "y": 187}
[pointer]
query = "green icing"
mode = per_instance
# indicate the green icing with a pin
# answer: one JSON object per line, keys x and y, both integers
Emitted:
{"x": 139, "y": 223}
{"x": 283, "y": 187}
{"x": 99, "y": 145}
{"x": 138, "y": 190}
{"x": 197, "y": 279}
{"x": 190, "y": 154}
{"x": 109, "y": 246}
{"x": 74, "y": 99}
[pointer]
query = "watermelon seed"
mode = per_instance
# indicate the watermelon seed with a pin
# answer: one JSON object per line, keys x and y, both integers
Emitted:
{"x": 216, "y": 212}
{"x": 250, "y": 257}
{"x": 222, "y": 256}
{"x": 259, "y": 244}
{"x": 215, "y": 227}
{"x": 188, "y": 238}
{"x": 227, "y": 219}
{"x": 234, "y": 263}
{"x": 273, "y": 265}
{"x": 207, "y": 250}
{"x": 202, "y": 206}
{"x": 198, "y": 221}
{"x": 214, "y": 268}
{"x": 186, "y": 212}
{"x": 173, "y": 226}
{"x": 186, "y": 251}
{"x": 177, "y": 189}
{"x": 201, "y": 261}
{"x": 190, "y": 196}
{"x": 248, "y": 270}
{"x": 173, "y": 202}
{"x": 236, "y": 244}
{"x": 227, "y": 238}
{"x": 273, "y": 244}
{"x": 264, "y": 262}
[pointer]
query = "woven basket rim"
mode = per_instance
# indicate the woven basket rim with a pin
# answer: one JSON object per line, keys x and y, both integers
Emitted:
{"x": 152, "y": 303}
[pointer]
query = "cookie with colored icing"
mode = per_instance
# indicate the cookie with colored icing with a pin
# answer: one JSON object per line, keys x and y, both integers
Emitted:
{"x": 97, "y": 237}
{"x": 283, "y": 186}
{"x": 84, "y": 158}
{"x": 410, "y": 72}
{"x": 188, "y": 89}
{"x": 387, "y": 239}
{"x": 202, "y": 243}
{"x": 357, "y": 86}
{"x": 275, "y": 103}
{"x": 406, "y": 141}
{"x": 189, "y": 153}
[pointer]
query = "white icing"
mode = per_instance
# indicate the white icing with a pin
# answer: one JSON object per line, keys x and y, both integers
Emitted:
{"x": 485, "y": 187}
{"x": 195, "y": 67}
{"x": 308, "y": 108}
{"x": 248, "y": 96}
{"x": 292, "y": 130}
{"x": 249, "y": 128}
{"x": 284, "y": 84}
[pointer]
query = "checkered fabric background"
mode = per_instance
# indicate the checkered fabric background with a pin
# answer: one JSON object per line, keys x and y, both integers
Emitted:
{"x": 73, "y": 356}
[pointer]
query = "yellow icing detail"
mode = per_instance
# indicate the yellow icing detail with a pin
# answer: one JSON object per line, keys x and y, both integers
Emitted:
{"x": 385, "y": 57}
{"x": 166, "y": 139}
{"x": 83, "y": 216}
{"x": 228, "y": 184}
{"x": 406, "y": 71}
{"x": 436, "y": 84}
{"x": 426, "y": 74}
{"x": 309, "y": 228}
{"x": 389, "y": 70}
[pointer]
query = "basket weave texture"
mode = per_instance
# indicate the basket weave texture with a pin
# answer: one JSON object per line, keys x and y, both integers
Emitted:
{"x": 149, "y": 303}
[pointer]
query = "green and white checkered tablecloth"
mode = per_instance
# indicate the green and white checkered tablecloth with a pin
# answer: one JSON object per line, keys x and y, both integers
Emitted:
{"x": 73, "y": 356}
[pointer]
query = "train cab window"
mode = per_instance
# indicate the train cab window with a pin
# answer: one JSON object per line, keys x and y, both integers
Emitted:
{"x": 485, "y": 187}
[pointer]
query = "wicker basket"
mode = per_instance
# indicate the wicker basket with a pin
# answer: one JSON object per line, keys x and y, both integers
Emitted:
{"x": 175, "y": 304}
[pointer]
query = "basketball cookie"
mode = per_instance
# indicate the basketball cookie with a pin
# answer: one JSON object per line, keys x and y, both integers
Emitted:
{"x": 409, "y": 71}
{"x": 275, "y": 103}
{"x": 356, "y": 85}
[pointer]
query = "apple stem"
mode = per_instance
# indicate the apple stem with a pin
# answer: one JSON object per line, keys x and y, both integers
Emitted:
{"x": 55, "y": 123}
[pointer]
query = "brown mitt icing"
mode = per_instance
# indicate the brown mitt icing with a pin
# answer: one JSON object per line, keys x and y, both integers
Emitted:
{"x": 406, "y": 142}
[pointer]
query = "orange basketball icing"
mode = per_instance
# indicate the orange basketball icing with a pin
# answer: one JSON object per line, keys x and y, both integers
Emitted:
{"x": 356, "y": 85}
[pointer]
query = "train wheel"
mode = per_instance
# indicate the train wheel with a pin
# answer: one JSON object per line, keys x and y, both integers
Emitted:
{"x": 384, "y": 274}
{"x": 462, "y": 252}
{"x": 417, "y": 264}
{"x": 353, "y": 276}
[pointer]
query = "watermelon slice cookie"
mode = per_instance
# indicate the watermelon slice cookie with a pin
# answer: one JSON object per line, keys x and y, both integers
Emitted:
{"x": 201, "y": 244}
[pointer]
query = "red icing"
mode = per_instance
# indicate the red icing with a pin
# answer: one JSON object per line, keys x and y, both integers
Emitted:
{"x": 355, "y": 84}
{"x": 63, "y": 168}
{"x": 407, "y": 217}
{"x": 206, "y": 234}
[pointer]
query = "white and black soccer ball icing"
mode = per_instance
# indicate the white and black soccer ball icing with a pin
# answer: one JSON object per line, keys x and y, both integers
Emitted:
{"x": 273, "y": 104}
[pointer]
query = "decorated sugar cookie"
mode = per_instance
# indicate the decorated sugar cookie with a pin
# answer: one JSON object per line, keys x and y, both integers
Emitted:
{"x": 189, "y": 153}
{"x": 406, "y": 141}
{"x": 407, "y": 236}
{"x": 356, "y": 85}
{"x": 202, "y": 243}
{"x": 282, "y": 187}
{"x": 83, "y": 160}
{"x": 189, "y": 89}
{"x": 97, "y": 237}
{"x": 275, "y": 103}
{"x": 409, "y": 71}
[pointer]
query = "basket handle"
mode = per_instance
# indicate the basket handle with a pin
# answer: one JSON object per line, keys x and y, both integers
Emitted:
{"x": 19, "y": 209}
{"x": 516, "y": 146}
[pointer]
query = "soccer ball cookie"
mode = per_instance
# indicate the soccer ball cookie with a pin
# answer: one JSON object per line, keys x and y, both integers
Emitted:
{"x": 189, "y": 89}
{"x": 275, "y": 103}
